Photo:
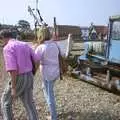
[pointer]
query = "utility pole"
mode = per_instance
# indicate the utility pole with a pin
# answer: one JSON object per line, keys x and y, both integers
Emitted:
{"x": 36, "y": 6}
{"x": 3, "y": 20}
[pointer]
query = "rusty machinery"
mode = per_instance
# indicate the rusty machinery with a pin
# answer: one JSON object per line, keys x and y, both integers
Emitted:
{"x": 100, "y": 65}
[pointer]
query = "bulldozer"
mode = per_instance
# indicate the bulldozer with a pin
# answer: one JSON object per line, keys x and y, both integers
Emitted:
{"x": 100, "y": 63}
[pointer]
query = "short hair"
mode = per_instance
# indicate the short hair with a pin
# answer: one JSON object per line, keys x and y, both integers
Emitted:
{"x": 6, "y": 34}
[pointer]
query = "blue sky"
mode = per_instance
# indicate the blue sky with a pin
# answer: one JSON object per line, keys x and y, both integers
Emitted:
{"x": 75, "y": 12}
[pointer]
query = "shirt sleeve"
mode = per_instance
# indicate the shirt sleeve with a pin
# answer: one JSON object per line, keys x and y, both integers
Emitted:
{"x": 33, "y": 55}
{"x": 10, "y": 59}
{"x": 39, "y": 52}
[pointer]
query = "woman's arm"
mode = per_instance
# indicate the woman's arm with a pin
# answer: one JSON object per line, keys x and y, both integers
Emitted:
{"x": 39, "y": 54}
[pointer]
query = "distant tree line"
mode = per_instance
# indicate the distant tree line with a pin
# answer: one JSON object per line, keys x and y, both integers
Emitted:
{"x": 21, "y": 31}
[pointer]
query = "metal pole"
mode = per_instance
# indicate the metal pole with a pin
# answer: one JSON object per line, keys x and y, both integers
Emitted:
{"x": 36, "y": 6}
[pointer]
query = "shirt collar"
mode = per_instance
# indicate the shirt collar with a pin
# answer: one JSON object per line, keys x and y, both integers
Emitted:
{"x": 10, "y": 40}
{"x": 48, "y": 41}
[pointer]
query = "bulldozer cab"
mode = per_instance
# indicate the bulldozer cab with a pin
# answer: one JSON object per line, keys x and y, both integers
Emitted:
{"x": 114, "y": 40}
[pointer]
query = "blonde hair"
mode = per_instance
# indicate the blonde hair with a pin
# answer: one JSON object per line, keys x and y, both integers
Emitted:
{"x": 43, "y": 34}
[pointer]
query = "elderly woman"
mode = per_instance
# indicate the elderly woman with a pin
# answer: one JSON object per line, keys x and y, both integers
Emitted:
{"x": 48, "y": 51}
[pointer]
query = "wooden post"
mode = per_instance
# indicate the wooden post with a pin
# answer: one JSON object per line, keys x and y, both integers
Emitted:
{"x": 55, "y": 30}
{"x": 108, "y": 77}
{"x": 69, "y": 45}
{"x": 55, "y": 26}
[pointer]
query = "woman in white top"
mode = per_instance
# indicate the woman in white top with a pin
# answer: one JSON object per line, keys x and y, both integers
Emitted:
{"x": 47, "y": 51}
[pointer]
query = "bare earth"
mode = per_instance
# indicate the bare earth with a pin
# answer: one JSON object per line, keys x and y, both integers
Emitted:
{"x": 76, "y": 100}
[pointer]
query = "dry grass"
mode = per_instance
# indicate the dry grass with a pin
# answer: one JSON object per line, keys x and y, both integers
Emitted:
{"x": 2, "y": 69}
{"x": 2, "y": 74}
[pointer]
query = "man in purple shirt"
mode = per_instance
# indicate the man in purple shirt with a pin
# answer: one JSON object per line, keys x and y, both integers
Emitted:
{"x": 18, "y": 57}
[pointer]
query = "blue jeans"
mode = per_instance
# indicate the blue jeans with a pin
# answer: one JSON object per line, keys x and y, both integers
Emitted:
{"x": 49, "y": 96}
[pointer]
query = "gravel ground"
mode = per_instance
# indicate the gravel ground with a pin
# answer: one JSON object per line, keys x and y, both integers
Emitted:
{"x": 75, "y": 99}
